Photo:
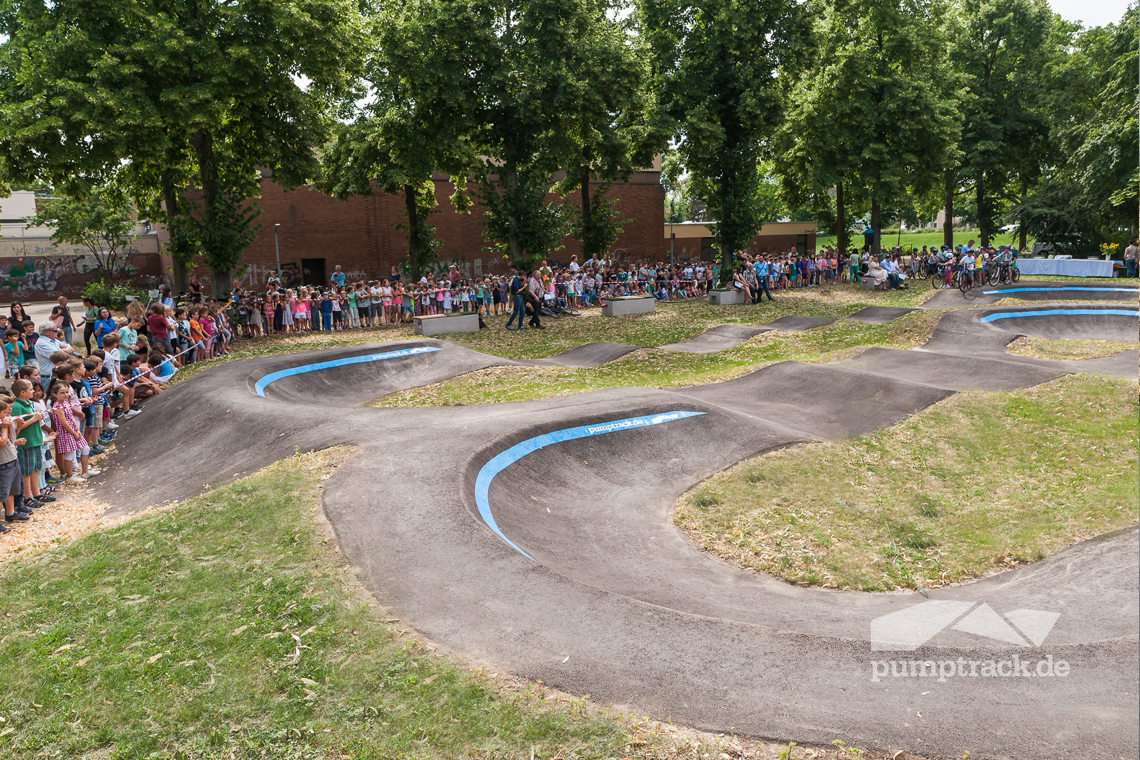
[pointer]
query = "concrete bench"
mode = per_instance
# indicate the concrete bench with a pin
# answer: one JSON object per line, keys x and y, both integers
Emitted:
{"x": 439, "y": 324}
{"x": 618, "y": 307}
{"x": 726, "y": 297}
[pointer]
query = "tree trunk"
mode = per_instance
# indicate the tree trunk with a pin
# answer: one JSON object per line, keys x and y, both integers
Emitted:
{"x": 840, "y": 218}
{"x": 587, "y": 214}
{"x": 876, "y": 218}
{"x": 1021, "y": 222}
{"x": 983, "y": 216}
{"x": 413, "y": 233}
{"x": 211, "y": 187}
{"x": 178, "y": 254}
{"x": 948, "y": 222}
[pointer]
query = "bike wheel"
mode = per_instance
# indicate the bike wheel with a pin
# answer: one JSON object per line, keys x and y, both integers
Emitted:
{"x": 936, "y": 281}
{"x": 1015, "y": 275}
{"x": 574, "y": 312}
{"x": 963, "y": 283}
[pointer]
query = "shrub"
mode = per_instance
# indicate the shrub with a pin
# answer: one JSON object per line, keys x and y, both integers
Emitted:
{"x": 114, "y": 297}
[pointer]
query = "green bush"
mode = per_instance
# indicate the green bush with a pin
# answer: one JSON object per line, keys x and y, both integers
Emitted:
{"x": 114, "y": 297}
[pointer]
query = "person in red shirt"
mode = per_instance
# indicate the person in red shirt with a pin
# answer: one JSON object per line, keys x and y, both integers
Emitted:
{"x": 157, "y": 327}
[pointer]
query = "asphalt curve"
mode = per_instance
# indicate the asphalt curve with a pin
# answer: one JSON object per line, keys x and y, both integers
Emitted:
{"x": 537, "y": 536}
{"x": 1029, "y": 290}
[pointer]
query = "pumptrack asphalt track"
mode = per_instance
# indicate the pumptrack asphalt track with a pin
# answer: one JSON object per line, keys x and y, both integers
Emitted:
{"x": 536, "y": 536}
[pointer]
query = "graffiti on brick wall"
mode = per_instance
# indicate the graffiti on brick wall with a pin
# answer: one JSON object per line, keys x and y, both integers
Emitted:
{"x": 291, "y": 274}
{"x": 439, "y": 268}
{"x": 256, "y": 275}
{"x": 22, "y": 275}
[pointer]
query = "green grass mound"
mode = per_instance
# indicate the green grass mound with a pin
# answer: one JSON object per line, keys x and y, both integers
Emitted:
{"x": 976, "y": 483}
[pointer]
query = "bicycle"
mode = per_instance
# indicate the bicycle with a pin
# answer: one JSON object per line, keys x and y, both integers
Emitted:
{"x": 938, "y": 276}
{"x": 965, "y": 280}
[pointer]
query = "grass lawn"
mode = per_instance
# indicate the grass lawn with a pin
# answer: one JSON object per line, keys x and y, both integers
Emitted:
{"x": 667, "y": 369}
{"x": 1044, "y": 348}
{"x": 976, "y": 482}
{"x": 226, "y": 627}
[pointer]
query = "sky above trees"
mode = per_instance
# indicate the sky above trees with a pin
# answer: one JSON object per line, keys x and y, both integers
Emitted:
{"x": 1090, "y": 12}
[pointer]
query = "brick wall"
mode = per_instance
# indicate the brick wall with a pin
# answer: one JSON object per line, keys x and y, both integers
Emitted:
{"x": 690, "y": 248}
{"x": 360, "y": 235}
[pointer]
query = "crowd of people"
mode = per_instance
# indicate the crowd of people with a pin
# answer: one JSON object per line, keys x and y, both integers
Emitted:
{"x": 62, "y": 408}
{"x": 343, "y": 305}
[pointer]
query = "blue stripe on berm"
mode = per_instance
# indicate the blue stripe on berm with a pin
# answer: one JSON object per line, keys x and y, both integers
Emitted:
{"x": 505, "y": 459}
{"x": 1050, "y": 290}
{"x": 262, "y": 383}
{"x": 1059, "y": 313}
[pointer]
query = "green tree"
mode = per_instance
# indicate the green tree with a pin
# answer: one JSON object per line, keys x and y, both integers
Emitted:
{"x": 416, "y": 120}
{"x": 1002, "y": 55}
{"x": 875, "y": 116}
{"x": 1088, "y": 187}
{"x": 714, "y": 68}
{"x": 100, "y": 222}
{"x": 1102, "y": 143}
{"x": 192, "y": 98}
{"x": 543, "y": 106}
{"x": 614, "y": 129}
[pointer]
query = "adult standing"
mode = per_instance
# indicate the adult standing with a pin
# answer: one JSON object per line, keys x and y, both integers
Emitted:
{"x": 19, "y": 316}
{"x": 535, "y": 291}
{"x": 195, "y": 290}
{"x": 90, "y": 316}
{"x": 104, "y": 325}
{"x": 517, "y": 290}
{"x": 762, "y": 270}
{"x": 49, "y": 342}
{"x": 61, "y": 317}
{"x": 337, "y": 278}
{"x": 1130, "y": 258}
{"x": 395, "y": 276}
{"x": 453, "y": 274}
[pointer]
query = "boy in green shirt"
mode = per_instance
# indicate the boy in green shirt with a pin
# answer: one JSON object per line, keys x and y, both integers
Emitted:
{"x": 29, "y": 453}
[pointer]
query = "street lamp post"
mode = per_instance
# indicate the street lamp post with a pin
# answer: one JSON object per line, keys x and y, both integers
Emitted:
{"x": 671, "y": 236}
{"x": 277, "y": 248}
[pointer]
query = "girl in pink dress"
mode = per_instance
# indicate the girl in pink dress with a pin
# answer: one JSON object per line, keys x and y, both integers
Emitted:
{"x": 67, "y": 438}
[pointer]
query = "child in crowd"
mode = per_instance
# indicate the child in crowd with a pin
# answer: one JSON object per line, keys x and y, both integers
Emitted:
{"x": 14, "y": 351}
{"x": 68, "y": 442}
{"x": 30, "y": 452}
{"x": 11, "y": 486}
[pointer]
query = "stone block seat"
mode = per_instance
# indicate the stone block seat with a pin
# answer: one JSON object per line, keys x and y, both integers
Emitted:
{"x": 622, "y": 305}
{"x": 726, "y": 296}
{"x": 440, "y": 324}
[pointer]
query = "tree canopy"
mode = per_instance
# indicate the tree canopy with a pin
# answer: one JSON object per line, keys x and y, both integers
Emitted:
{"x": 192, "y": 98}
{"x": 714, "y": 73}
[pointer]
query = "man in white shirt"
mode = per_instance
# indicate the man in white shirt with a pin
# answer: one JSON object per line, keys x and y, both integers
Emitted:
{"x": 47, "y": 345}
{"x": 535, "y": 297}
